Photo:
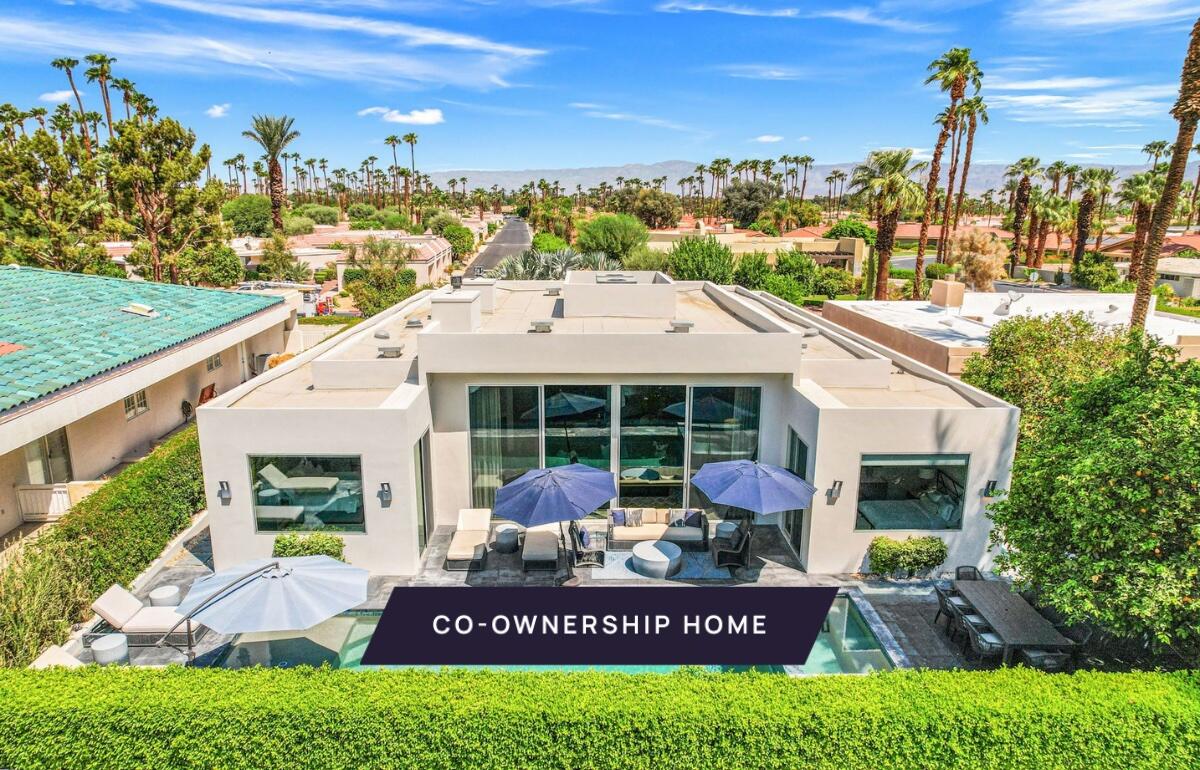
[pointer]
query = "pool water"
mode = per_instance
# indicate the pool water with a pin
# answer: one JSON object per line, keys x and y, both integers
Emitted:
{"x": 845, "y": 645}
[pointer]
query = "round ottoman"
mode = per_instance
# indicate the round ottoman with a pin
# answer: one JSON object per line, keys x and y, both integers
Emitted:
{"x": 506, "y": 538}
{"x": 165, "y": 596}
{"x": 656, "y": 559}
{"x": 726, "y": 529}
{"x": 111, "y": 648}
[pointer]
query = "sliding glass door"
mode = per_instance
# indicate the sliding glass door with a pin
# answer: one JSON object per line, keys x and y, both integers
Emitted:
{"x": 797, "y": 463}
{"x": 725, "y": 422}
{"x": 505, "y": 437}
{"x": 653, "y": 434}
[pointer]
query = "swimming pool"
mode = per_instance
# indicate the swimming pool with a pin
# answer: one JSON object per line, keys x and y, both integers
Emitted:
{"x": 846, "y": 645}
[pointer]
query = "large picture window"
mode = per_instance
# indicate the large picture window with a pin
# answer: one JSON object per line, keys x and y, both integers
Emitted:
{"x": 307, "y": 493}
{"x": 923, "y": 492}
{"x": 578, "y": 421}
{"x": 505, "y": 439}
{"x": 724, "y": 427}
{"x": 653, "y": 430}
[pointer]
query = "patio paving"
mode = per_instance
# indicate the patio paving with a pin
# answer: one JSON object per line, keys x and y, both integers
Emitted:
{"x": 907, "y": 608}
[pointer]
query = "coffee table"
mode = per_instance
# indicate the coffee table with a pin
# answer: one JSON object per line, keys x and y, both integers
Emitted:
{"x": 507, "y": 538}
{"x": 656, "y": 559}
{"x": 165, "y": 596}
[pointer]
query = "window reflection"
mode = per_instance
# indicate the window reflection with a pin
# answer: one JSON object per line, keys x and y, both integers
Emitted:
{"x": 307, "y": 493}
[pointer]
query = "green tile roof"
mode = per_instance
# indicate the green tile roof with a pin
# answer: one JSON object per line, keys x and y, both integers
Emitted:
{"x": 71, "y": 327}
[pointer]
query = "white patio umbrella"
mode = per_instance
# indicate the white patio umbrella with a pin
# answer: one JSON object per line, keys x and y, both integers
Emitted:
{"x": 278, "y": 594}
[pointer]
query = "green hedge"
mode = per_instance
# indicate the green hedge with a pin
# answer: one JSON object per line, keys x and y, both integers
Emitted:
{"x": 109, "y": 537}
{"x": 323, "y": 718}
{"x": 316, "y": 544}
{"x": 911, "y": 555}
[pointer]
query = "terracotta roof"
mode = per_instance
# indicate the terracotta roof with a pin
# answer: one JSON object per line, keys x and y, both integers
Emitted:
{"x": 804, "y": 232}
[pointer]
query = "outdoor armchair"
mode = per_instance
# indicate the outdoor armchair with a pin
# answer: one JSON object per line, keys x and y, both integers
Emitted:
{"x": 590, "y": 555}
{"x": 733, "y": 554}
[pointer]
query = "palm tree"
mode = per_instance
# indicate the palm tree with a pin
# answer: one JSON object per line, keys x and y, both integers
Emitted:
{"x": 975, "y": 111}
{"x": 1055, "y": 214}
{"x": 1154, "y": 151}
{"x": 1141, "y": 192}
{"x": 1187, "y": 112}
{"x": 126, "y": 88}
{"x": 273, "y": 134}
{"x": 953, "y": 71}
{"x": 804, "y": 162}
{"x": 411, "y": 140}
{"x": 1072, "y": 171}
{"x": 1023, "y": 170}
{"x": 1107, "y": 177}
{"x": 1091, "y": 180}
{"x": 887, "y": 176}
{"x": 1195, "y": 190}
{"x": 100, "y": 72}
{"x": 66, "y": 64}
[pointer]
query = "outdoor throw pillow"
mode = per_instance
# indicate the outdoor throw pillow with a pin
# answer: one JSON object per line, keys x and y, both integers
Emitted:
{"x": 618, "y": 517}
{"x": 692, "y": 519}
{"x": 675, "y": 517}
{"x": 585, "y": 537}
{"x": 633, "y": 517}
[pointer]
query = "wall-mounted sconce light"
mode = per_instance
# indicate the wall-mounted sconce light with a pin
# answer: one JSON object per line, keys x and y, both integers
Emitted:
{"x": 834, "y": 492}
{"x": 456, "y": 282}
{"x": 223, "y": 492}
{"x": 385, "y": 494}
{"x": 989, "y": 489}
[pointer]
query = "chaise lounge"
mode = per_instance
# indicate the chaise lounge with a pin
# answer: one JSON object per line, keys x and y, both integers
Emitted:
{"x": 540, "y": 551}
{"x": 284, "y": 483}
{"x": 123, "y": 612}
{"x": 468, "y": 547}
{"x": 685, "y": 527}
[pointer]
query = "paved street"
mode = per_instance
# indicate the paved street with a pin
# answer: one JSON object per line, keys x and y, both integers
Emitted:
{"x": 513, "y": 238}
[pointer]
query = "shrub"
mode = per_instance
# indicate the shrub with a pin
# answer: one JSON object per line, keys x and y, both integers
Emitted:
{"x": 981, "y": 256}
{"x": 248, "y": 215}
{"x": 796, "y": 265}
{"x": 910, "y": 556}
{"x": 1094, "y": 271}
{"x": 397, "y": 222}
{"x": 614, "y": 235}
{"x": 852, "y": 228}
{"x": 701, "y": 259}
{"x": 938, "y": 270}
{"x": 752, "y": 270}
{"x": 315, "y": 544}
{"x": 360, "y": 211}
{"x": 462, "y": 240}
{"x": 786, "y": 288}
{"x": 295, "y": 225}
{"x": 325, "y": 719}
{"x": 832, "y": 281}
{"x": 645, "y": 258}
{"x": 766, "y": 228}
{"x": 549, "y": 242}
{"x": 222, "y": 266}
{"x": 438, "y": 224}
{"x": 330, "y": 320}
{"x": 109, "y": 537}
{"x": 744, "y": 201}
{"x": 366, "y": 224}
{"x": 322, "y": 215}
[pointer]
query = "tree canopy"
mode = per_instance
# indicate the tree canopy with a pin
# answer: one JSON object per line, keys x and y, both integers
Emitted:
{"x": 614, "y": 235}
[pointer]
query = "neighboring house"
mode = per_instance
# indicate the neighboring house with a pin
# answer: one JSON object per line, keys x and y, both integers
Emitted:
{"x": 954, "y": 324}
{"x": 1182, "y": 274}
{"x": 93, "y": 370}
{"x": 846, "y": 253}
{"x": 386, "y": 431}
{"x": 431, "y": 258}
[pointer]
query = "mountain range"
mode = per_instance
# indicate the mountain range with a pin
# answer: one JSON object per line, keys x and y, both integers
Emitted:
{"x": 982, "y": 176}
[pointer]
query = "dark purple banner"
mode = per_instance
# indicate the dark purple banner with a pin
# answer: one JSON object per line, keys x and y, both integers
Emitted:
{"x": 599, "y": 626}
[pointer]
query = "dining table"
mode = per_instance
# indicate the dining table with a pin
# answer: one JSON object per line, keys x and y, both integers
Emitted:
{"x": 1011, "y": 618}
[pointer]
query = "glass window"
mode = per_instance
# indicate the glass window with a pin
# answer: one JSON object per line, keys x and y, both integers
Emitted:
{"x": 578, "y": 425}
{"x": 797, "y": 463}
{"x": 424, "y": 525}
{"x": 911, "y": 491}
{"x": 504, "y": 437}
{"x": 653, "y": 430}
{"x": 724, "y": 427}
{"x": 307, "y": 493}
{"x": 136, "y": 404}
{"x": 213, "y": 362}
{"x": 48, "y": 460}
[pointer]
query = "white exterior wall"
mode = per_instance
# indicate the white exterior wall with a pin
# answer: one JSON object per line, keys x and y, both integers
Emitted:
{"x": 383, "y": 437}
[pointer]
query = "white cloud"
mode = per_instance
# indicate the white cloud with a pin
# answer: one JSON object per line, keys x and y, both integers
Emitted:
{"x": 1101, "y": 15}
{"x": 410, "y": 34}
{"x": 1137, "y": 147}
{"x": 854, "y": 15}
{"x": 288, "y": 58}
{"x": 426, "y": 117}
{"x": 803, "y": 138}
{"x": 218, "y": 110}
{"x": 762, "y": 71}
{"x": 768, "y": 138}
{"x": 56, "y": 96}
{"x": 1141, "y": 101}
{"x": 593, "y": 110}
{"x": 1087, "y": 155}
{"x": 1052, "y": 84}
{"x": 586, "y": 106}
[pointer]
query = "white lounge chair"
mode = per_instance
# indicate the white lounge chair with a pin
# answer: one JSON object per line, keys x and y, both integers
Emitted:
{"x": 54, "y": 656}
{"x": 468, "y": 547}
{"x": 284, "y": 483}
{"x": 540, "y": 551}
{"x": 143, "y": 625}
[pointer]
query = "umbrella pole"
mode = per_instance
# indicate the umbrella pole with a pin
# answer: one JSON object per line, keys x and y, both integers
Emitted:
{"x": 571, "y": 580}
{"x": 191, "y": 653}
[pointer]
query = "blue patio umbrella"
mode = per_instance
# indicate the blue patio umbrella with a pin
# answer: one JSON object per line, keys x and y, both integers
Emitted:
{"x": 708, "y": 409}
{"x": 753, "y": 486}
{"x": 569, "y": 405}
{"x": 554, "y": 495}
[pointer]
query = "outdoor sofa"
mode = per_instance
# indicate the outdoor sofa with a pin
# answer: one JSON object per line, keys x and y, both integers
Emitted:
{"x": 685, "y": 527}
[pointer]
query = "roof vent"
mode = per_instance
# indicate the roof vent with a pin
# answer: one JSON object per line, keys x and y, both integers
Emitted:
{"x": 413, "y": 323}
{"x": 137, "y": 308}
{"x": 382, "y": 334}
{"x": 681, "y": 327}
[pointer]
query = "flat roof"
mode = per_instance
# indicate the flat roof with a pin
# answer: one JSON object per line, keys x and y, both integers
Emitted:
{"x": 294, "y": 390}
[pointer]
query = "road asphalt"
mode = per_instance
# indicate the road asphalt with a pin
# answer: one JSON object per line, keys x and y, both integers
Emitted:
{"x": 513, "y": 238}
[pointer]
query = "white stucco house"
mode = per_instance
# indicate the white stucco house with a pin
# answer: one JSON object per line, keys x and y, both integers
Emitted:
{"x": 93, "y": 370}
{"x": 385, "y": 432}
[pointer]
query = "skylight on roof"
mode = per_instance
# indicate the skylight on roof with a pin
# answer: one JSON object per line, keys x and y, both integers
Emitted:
{"x": 137, "y": 308}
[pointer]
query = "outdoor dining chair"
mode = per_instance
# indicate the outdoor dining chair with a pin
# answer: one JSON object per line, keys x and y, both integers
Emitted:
{"x": 985, "y": 644}
{"x": 967, "y": 573}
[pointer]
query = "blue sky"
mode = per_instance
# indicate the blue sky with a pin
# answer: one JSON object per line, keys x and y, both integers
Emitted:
{"x": 511, "y": 84}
